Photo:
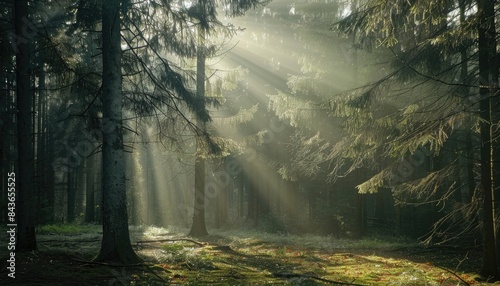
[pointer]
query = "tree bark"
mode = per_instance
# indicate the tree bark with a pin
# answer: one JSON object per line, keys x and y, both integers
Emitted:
{"x": 198, "y": 227}
{"x": 42, "y": 165}
{"x": 25, "y": 216}
{"x": 71, "y": 196}
{"x": 360, "y": 213}
{"x": 89, "y": 191}
{"x": 487, "y": 56}
{"x": 115, "y": 247}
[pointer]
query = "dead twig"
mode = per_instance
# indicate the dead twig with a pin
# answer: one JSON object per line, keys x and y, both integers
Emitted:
{"x": 108, "y": 264}
{"x": 453, "y": 273}
{"x": 66, "y": 241}
{"x": 159, "y": 277}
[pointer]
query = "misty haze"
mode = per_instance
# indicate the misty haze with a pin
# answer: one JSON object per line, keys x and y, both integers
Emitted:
{"x": 251, "y": 142}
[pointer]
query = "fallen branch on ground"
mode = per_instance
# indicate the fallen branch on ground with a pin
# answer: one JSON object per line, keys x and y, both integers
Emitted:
{"x": 454, "y": 274}
{"x": 108, "y": 264}
{"x": 65, "y": 241}
{"x": 151, "y": 270}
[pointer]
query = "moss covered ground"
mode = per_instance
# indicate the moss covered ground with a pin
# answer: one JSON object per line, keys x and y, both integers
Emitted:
{"x": 242, "y": 257}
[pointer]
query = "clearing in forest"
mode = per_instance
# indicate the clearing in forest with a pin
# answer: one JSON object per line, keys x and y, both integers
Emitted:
{"x": 240, "y": 258}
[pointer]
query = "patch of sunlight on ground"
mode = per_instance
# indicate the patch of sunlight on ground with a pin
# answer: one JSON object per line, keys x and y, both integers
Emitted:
{"x": 145, "y": 232}
{"x": 245, "y": 237}
{"x": 253, "y": 257}
{"x": 241, "y": 253}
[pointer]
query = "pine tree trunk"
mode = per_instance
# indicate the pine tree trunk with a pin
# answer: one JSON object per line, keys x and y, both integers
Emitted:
{"x": 89, "y": 192}
{"x": 5, "y": 119}
{"x": 25, "y": 216}
{"x": 253, "y": 203}
{"x": 241, "y": 194}
{"x": 397, "y": 209}
{"x": 360, "y": 214}
{"x": 80, "y": 189}
{"x": 71, "y": 196}
{"x": 313, "y": 193}
{"x": 277, "y": 199}
{"x": 50, "y": 177}
{"x": 115, "y": 247}
{"x": 487, "y": 55}
{"x": 265, "y": 193}
{"x": 198, "y": 227}
{"x": 217, "y": 211}
{"x": 41, "y": 157}
{"x": 221, "y": 204}
{"x": 292, "y": 204}
{"x": 380, "y": 205}
{"x": 223, "y": 201}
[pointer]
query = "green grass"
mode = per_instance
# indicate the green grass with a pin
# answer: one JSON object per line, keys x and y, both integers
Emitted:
{"x": 68, "y": 229}
{"x": 239, "y": 257}
{"x": 327, "y": 243}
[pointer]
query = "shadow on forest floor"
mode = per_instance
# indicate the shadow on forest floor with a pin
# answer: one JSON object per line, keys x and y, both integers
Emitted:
{"x": 239, "y": 258}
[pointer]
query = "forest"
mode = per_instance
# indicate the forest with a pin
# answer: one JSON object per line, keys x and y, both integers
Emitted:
{"x": 250, "y": 142}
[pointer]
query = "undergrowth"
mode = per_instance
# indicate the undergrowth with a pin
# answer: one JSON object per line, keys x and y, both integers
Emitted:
{"x": 240, "y": 257}
{"x": 327, "y": 243}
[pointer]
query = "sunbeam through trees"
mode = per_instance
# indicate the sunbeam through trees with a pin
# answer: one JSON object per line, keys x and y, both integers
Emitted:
{"x": 252, "y": 142}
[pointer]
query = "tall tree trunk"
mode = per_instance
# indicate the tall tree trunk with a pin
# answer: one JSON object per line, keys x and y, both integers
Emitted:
{"x": 253, "y": 202}
{"x": 224, "y": 198}
{"x": 198, "y": 227}
{"x": 360, "y": 213}
{"x": 80, "y": 189}
{"x": 115, "y": 247}
{"x": 468, "y": 145}
{"x": 25, "y": 216}
{"x": 380, "y": 205}
{"x": 292, "y": 204}
{"x": 397, "y": 210}
{"x": 241, "y": 194}
{"x": 98, "y": 190}
{"x": 50, "y": 174}
{"x": 487, "y": 56}
{"x": 71, "y": 196}
{"x": 264, "y": 187}
{"x": 223, "y": 205}
{"x": 41, "y": 157}
{"x": 313, "y": 194}
{"x": 89, "y": 192}
{"x": 276, "y": 193}
{"x": 221, "y": 213}
{"x": 5, "y": 135}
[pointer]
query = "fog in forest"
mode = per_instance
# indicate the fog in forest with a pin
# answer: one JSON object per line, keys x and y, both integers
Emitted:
{"x": 250, "y": 142}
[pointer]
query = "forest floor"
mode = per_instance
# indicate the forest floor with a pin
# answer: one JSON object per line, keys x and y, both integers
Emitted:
{"x": 241, "y": 257}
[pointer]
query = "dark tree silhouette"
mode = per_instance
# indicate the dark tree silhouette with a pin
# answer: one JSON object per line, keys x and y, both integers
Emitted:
{"x": 115, "y": 247}
{"x": 26, "y": 239}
